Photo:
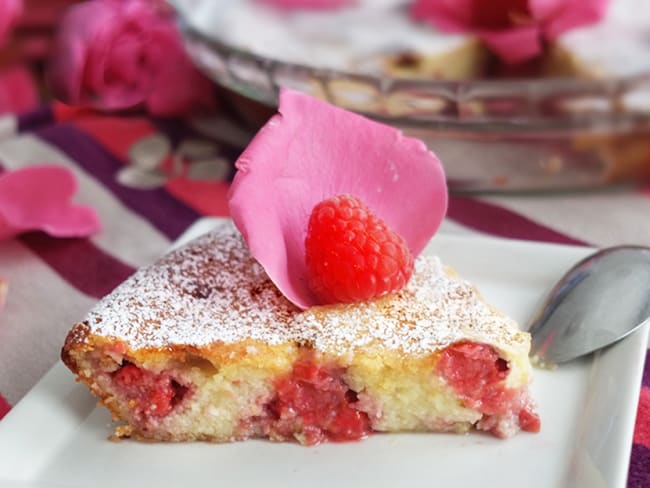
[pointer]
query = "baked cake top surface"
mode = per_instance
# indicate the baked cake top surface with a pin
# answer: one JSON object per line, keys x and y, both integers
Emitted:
{"x": 213, "y": 291}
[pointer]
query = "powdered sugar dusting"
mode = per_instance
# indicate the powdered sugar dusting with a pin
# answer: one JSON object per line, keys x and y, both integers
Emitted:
{"x": 213, "y": 291}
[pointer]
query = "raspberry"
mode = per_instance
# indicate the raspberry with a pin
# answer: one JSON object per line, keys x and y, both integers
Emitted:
{"x": 351, "y": 254}
{"x": 314, "y": 400}
{"x": 129, "y": 376}
{"x": 151, "y": 394}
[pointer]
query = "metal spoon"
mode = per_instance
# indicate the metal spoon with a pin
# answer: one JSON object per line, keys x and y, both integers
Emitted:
{"x": 600, "y": 300}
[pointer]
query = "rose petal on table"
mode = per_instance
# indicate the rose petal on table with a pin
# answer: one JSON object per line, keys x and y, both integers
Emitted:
{"x": 311, "y": 151}
{"x": 39, "y": 198}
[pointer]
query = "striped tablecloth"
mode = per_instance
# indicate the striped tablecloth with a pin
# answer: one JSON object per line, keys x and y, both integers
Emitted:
{"x": 150, "y": 179}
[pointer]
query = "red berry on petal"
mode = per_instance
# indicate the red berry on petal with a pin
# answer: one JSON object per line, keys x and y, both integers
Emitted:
{"x": 351, "y": 254}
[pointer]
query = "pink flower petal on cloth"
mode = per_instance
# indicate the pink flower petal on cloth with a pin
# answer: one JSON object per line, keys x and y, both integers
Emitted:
{"x": 311, "y": 151}
{"x": 308, "y": 4}
{"x": 38, "y": 198}
{"x": 514, "y": 45}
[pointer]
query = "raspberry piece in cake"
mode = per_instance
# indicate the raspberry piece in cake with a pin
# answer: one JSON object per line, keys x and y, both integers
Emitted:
{"x": 351, "y": 254}
{"x": 313, "y": 404}
{"x": 478, "y": 375}
{"x": 147, "y": 394}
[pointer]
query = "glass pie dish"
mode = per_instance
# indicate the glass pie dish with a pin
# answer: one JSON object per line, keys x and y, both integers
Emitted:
{"x": 533, "y": 134}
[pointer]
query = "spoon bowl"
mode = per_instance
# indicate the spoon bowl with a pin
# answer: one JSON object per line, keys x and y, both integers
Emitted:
{"x": 599, "y": 301}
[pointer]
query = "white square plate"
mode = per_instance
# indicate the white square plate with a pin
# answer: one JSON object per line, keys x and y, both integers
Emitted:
{"x": 57, "y": 437}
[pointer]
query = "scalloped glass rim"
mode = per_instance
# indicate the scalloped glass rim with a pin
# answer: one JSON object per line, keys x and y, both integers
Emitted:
{"x": 518, "y": 104}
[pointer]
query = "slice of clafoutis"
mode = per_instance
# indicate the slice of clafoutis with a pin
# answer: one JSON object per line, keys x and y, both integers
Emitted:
{"x": 202, "y": 346}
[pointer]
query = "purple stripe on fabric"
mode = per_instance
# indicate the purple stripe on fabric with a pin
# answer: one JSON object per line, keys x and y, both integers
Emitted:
{"x": 36, "y": 119}
{"x": 498, "y": 221}
{"x": 646, "y": 370}
{"x": 167, "y": 214}
{"x": 79, "y": 262}
{"x": 639, "y": 473}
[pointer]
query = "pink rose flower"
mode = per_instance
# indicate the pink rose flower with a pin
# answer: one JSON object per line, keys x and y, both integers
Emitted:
{"x": 33, "y": 31}
{"x": 513, "y": 29}
{"x": 120, "y": 54}
{"x": 311, "y": 151}
{"x": 10, "y": 10}
{"x": 43, "y": 14}
{"x": 308, "y": 4}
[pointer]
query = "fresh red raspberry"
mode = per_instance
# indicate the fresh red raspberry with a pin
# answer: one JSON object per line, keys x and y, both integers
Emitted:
{"x": 351, "y": 254}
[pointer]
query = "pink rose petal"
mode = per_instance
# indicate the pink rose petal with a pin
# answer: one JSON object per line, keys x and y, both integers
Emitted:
{"x": 38, "y": 198}
{"x": 310, "y": 151}
{"x": 512, "y": 29}
{"x": 559, "y": 16}
{"x": 516, "y": 45}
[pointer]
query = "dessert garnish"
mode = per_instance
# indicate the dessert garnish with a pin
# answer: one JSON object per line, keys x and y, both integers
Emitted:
{"x": 514, "y": 30}
{"x": 39, "y": 198}
{"x": 351, "y": 254}
{"x": 312, "y": 151}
